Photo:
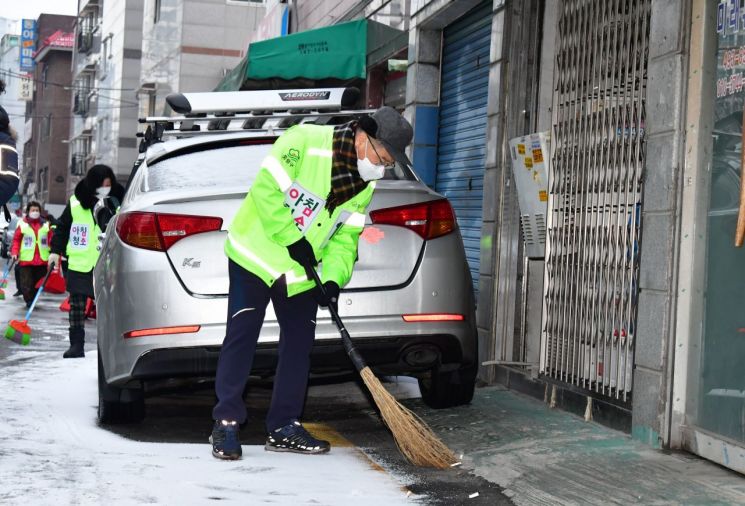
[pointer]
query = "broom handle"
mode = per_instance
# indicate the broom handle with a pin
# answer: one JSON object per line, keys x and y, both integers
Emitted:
{"x": 38, "y": 294}
{"x": 8, "y": 266}
{"x": 346, "y": 339}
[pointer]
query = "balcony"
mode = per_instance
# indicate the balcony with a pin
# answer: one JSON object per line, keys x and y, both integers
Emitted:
{"x": 81, "y": 103}
{"x": 78, "y": 164}
{"x": 85, "y": 42}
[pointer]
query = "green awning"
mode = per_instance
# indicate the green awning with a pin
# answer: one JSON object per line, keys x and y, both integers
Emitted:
{"x": 339, "y": 52}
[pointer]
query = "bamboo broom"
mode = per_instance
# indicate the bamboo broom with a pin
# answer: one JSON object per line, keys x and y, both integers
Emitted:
{"x": 415, "y": 440}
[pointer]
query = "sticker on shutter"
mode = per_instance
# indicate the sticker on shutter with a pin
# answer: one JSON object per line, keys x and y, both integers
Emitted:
{"x": 79, "y": 236}
{"x": 304, "y": 205}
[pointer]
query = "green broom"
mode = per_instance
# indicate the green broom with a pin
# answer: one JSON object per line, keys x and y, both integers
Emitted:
{"x": 4, "y": 281}
{"x": 19, "y": 331}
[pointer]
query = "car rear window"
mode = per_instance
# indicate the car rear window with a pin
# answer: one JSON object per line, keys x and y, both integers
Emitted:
{"x": 230, "y": 167}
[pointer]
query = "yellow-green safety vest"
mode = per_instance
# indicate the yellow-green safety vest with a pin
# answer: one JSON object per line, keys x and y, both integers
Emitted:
{"x": 286, "y": 202}
{"x": 82, "y": 245}
{"x": 30, "y": 240}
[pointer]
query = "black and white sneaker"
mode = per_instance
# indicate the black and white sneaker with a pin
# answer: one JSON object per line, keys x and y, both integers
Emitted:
{"x": 294, "y": 438}
{"x": 224, "y": 439}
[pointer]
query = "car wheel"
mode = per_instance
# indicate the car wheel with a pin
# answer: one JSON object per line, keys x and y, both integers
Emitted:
{"x": 448, "y": 389}
{"x": 112, "y": 408}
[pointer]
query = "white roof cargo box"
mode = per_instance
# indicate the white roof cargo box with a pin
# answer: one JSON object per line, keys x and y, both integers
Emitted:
{"x": 317, "y": 99}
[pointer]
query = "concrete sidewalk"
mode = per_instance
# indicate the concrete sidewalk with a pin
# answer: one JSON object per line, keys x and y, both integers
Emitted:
{"x": 547, "y": 456}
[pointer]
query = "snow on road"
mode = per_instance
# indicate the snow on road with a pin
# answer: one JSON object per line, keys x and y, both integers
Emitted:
{"x": 52, "y": 452}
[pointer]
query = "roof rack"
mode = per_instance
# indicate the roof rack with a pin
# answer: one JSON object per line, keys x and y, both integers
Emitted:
{"x": 267, "y": 111}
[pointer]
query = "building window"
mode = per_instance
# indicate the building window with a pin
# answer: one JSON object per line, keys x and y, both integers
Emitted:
{"x": 156, "y": 13}
{"x": 46, "y": 126}
{"x": 105, "y": 57}
{"x": 44, "y": 76}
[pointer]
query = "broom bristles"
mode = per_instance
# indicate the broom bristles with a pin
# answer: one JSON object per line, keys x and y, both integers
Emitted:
{"x": 414, "y": 438}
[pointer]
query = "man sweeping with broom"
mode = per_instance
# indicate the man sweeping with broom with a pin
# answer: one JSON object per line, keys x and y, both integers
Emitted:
{"x": 306, "y": 205}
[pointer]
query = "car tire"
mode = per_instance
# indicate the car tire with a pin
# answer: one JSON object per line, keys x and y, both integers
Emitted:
{"x": 447, "y": 389}
{"x": 111, "y": 409}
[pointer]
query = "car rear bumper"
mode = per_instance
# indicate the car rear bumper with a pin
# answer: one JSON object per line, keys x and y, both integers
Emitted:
{"x": 408, "y": 355}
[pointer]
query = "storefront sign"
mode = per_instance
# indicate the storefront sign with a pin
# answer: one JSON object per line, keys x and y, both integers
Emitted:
{"x": 28, "y": 45}
{"x": 26, "y": 88}
{"x": 730, "y": 17}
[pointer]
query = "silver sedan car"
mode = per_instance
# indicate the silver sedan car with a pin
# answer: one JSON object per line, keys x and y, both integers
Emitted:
{"x": 162, "y": 280}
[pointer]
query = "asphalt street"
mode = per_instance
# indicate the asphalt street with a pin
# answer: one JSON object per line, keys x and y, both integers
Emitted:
{"x": 179, "y": 420}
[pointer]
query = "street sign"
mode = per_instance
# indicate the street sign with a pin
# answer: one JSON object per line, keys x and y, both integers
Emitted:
{"x": 28, "y": 45}
{"x": 26, "y": 88}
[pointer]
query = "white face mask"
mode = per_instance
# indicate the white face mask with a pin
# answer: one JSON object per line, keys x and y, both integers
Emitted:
{"x": 368, "y": 170}
{"x": 34, "y": 215}
{"x": 102, "y": 192}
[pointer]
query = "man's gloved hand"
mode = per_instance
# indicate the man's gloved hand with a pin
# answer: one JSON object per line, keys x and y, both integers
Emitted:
{"x": 53, "y": 260}
{"x": 331, "y": 297}
{"x": 302, "y": 252}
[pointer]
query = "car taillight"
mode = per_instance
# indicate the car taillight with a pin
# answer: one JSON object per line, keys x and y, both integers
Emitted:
{"x": 158, "y": 231}
{"x": 174, "y": 227}
{"x": 428, "y": 219}
{"x": 139, "y": 230}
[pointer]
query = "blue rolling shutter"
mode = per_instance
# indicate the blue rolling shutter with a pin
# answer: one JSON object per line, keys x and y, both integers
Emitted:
{"x": 461, "y": 151}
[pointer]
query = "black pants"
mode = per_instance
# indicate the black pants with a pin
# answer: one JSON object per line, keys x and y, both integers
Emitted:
{"x": 17, "y": 272}
{"x": 29, "y": 275}
{"x": 247, "y": 302}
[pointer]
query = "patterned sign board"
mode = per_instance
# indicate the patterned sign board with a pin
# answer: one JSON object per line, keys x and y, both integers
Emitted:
{"x": 28, "y": 45}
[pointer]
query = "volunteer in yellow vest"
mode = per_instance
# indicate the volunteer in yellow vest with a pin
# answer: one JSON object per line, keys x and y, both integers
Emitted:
{"x": 95, "y": 200}
{"x": 31, "y": 249}
{"x": 307, "y": 205}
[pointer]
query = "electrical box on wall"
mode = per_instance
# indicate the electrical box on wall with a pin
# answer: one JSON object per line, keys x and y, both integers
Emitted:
{"x": 530, "y": 159}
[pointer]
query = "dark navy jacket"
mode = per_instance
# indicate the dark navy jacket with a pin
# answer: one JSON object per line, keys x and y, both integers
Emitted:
{"x": 8, "y": 168}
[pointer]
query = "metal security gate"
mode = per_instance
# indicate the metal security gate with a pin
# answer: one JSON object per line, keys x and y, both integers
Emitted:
{"x": 595, "y": 188}
{"x": 461, "y": 151}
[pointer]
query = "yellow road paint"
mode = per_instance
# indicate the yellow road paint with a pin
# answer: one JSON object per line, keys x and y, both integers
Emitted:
{"x": 323, "y": 431}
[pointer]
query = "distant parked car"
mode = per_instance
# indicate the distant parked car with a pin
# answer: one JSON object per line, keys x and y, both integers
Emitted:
{"x": 7, "y": 240}
{"x": 162, "y": 278}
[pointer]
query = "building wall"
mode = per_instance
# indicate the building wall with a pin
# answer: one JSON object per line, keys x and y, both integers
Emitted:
{"x": 192, "y": 45}
{"x": 214, "y": 39}
{"x": 84, "y": 66}
{"x": 118, "y": 77}
{"x": 161, "y": 52}
{"x": 318, "y": 13}
{"x": 429, "y": 18}
{"x": 16, "y": 109}
{"x": 665, "y": 130}
{"x": 48, "y": 151}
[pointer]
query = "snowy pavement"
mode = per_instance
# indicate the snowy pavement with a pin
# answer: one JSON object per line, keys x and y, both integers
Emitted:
{"x": 52, "y": 452}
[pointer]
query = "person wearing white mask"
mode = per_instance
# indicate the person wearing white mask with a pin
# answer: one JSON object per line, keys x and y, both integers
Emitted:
{"x": 95, "y": 200}
{"x": 307, "y": 205}
{"x": 31, "y": 250}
